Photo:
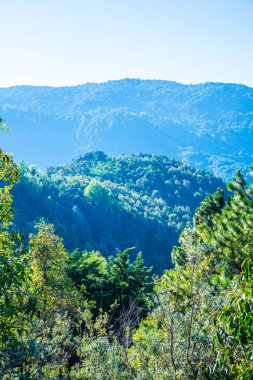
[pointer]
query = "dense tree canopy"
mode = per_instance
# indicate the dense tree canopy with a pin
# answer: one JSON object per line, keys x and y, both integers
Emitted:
{"x": 98, "y": 203}
{"x": 81, "y": 315}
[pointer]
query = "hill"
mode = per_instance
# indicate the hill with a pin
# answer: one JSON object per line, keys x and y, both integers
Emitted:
{"x": 208, "y": 126}
{"x": 105, "y": 204}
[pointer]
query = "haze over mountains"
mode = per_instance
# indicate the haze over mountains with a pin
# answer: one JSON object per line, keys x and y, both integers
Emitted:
{"x": 209, "y": 126}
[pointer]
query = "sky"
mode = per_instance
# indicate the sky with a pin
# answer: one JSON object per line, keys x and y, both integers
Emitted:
{"x": 69, "y": 42}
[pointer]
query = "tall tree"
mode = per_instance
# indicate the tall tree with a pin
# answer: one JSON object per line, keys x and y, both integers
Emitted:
{"x": 13, "y": 270}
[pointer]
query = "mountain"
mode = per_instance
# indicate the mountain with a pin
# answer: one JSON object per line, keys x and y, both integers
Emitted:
{"x": 209, "y": 126}
{"x": 105, "y": 204}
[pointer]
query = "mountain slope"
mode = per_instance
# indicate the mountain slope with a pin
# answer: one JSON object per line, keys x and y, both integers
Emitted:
{"x": 103, "y": 203}
{"x": 209, "y": 125}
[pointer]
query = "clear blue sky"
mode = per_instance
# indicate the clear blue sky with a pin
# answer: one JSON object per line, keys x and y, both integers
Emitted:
{"x": 67, "y": 42}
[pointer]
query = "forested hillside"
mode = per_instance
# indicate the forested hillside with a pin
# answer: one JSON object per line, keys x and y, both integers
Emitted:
{"x": 79, "y": 315}
{"x": 105, "y": 204}
{"x": 208, "y": 126}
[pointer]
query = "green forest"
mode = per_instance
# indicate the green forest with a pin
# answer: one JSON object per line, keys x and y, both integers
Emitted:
{"x": 98, "y": 203}
{"x": 96, "y": 308}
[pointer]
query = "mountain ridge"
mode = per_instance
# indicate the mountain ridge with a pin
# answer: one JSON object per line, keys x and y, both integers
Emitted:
{"x": 126, "y": 79}
{"x": 208, "y": 125}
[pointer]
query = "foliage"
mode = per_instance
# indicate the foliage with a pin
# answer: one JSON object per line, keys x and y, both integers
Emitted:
{"x": 98, "y": 203}
{"x": 234, "y": 333}
{"x": 13, "y": 272}
{"x": 208, "y": 125}
{"x": 201, "y": 327}
{"x": 82, "y": 315}
{"x": 116, "y": 285}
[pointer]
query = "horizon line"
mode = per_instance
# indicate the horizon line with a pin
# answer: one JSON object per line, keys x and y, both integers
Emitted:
{"x": 124, "y": 79}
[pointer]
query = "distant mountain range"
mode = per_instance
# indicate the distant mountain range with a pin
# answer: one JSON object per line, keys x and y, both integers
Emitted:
{"x": 209, "y": 126}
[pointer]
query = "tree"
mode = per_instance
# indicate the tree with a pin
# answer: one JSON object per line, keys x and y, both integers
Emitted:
{"x": 48, "y": 263}
{"x": 116, "y": 281}
{"x": 59, "y": 306}
{"x": 14, "y": 272}
{"x": 233, "y": 340}
{"x": 229, "y": 229}
{"x": 89, "y": 271}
